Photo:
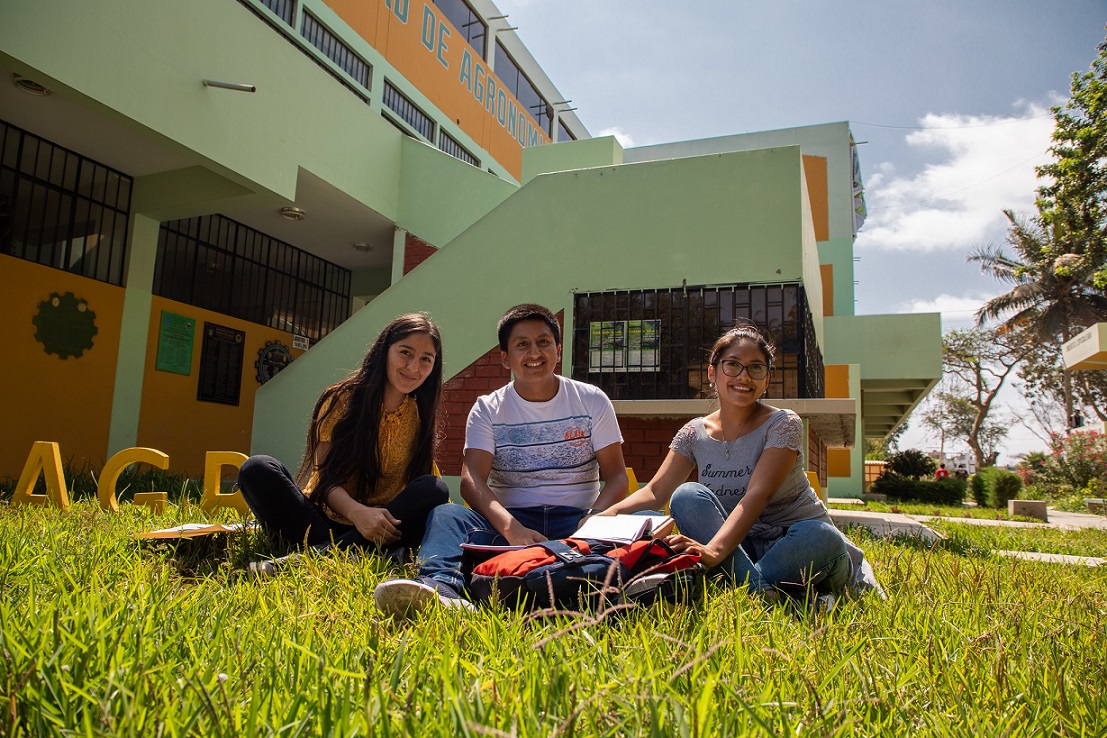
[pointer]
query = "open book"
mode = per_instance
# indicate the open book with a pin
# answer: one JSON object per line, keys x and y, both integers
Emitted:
{"x": 195, "y": 530}
{"x": 614, "y": 528}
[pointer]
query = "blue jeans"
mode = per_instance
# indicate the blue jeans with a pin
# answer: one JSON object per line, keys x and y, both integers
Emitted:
{"x": 811, "y": 553}
{"x": 449, "y": 526}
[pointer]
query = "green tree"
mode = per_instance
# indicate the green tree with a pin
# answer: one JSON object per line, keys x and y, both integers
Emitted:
{"x": 1043, "y": 385}
{"x": 911, "y": 463}
{"x": 976, "y": 363}
{"x": 1053, "y": 296}
{"x": 1058, "y": 269}
{"x": 1071, "y": 202}
{"x": 953, "y": 416}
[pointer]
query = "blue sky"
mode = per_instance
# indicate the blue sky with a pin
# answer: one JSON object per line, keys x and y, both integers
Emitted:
{"x": 950, "y": 98}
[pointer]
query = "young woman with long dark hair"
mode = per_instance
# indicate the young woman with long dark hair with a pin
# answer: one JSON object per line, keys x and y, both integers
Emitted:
{"x": 752, "y": 515}
{"x": 368, "y": 471}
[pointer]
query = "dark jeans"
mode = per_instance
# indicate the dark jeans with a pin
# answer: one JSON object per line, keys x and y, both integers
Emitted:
{"x": 282, "y": 508}
{"x": 811, "y": 554}
{"x": 441, "y": 557}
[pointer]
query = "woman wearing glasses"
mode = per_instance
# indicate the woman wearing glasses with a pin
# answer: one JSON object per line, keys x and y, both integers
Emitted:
{"x": 752, "y": 515}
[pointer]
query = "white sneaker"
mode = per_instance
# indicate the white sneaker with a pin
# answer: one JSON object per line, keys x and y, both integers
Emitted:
{"x": 641, "y": 585}
{"x": 406, "y": 597}
{"x": 268, "y": 568}
{"x": 824, "y": 603}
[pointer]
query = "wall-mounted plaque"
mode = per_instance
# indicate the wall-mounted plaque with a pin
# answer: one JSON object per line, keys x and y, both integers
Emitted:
{"x": 221, "y": 364}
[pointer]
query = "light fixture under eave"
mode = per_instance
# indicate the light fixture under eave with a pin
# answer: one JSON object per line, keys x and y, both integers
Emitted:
{"x": 291, "y": 212}
{"x": 362, "y": 246}
{"x": 29, "y": 86}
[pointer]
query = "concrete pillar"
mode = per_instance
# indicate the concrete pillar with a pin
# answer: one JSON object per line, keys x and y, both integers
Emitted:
{"x": 134, "y": 329}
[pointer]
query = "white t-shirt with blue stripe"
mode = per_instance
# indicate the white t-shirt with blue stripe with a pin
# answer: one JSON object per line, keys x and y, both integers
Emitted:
{"x": 544, "y": 453}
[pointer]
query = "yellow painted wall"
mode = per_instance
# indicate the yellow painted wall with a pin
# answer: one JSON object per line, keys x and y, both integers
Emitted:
{"x": 438, "y": 72}
{"x": 836, "y": 384}
{"x": 838, "y": 462}
{"x": 173, "y": 420}
{"x": 814, "y": 170}
{"x": 44, "y": 397}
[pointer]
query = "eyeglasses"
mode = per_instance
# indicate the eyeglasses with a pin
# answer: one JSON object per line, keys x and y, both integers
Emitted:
{"x": 733, "y": 368}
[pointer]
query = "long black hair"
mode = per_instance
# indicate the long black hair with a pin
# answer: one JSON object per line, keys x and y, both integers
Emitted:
{"x": 354, "y": 450}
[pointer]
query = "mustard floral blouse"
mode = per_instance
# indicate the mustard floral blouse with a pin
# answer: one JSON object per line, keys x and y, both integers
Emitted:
{"x": 396, "y": 438}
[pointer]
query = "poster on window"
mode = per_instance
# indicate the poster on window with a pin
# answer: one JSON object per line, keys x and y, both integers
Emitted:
{"x": 606, "y": 346}
{"x": 624, "y": 346}
{"x": 643, "y": 342}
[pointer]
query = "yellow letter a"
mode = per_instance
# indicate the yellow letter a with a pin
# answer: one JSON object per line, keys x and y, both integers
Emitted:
{"x": 45, "y": 459}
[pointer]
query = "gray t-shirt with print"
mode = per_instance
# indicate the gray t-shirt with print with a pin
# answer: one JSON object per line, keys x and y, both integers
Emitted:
{"x": 729, "y": 478}
{"x": 793, "y": 501}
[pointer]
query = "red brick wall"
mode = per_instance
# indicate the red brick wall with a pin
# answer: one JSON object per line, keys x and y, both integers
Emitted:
{"x": 484, "y": 375}
{"x": 646, "y": 443}
{"x": 816, "y": 455}
{"x": 416, "y": 251}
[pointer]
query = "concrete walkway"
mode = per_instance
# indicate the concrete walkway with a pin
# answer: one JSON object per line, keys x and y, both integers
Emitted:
{"x": 885, "y": 524}
{"x": 1054, "y": 558}
{"x": 895, "y": 524}
{"x": 1057, "y": 519}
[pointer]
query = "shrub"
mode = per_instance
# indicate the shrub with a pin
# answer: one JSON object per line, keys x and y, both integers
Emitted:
{"x": 942, "y": 492}
{"x": 1077, "y": 459}
{"x": 1033, "y": 468}
{"x": 1005, "y": 486}
{"x": 911, "y": 463}
{"x": 978, "y": 483}
{"x": 993, "y": 487}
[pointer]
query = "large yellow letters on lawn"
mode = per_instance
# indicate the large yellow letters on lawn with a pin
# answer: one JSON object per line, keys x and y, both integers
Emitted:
{"x": 45, "y": 460}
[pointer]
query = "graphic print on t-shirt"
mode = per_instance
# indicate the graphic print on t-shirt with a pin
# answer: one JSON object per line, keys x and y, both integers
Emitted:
{"x": 547, "y": 454}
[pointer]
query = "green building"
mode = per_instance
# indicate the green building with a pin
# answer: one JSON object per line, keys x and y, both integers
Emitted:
{"x": 208, "y": 209}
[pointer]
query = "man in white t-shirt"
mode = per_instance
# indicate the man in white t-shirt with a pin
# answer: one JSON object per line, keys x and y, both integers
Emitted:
{"x": 535, "y": 452}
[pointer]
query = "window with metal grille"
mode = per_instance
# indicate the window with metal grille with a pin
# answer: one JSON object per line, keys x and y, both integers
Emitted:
{"x": 447, "y": 143}
{"x": 654, "y": 344}
{"x": 395, "y": 101}
{"x": 277, "y": 7}
{"x": 335, "y": 50}
{"x": 219, "y": 264}
{"x": 61, "y": 209}
{"x": 284, "y": 9}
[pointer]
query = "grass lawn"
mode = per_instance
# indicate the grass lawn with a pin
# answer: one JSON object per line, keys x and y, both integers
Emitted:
{"x": 982, "y": 539}
{"x": 102, "y": 635}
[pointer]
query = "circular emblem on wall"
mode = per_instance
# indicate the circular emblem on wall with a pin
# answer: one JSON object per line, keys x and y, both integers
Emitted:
{"x": 272, "y": 357}
{"x": 66, "y": 325}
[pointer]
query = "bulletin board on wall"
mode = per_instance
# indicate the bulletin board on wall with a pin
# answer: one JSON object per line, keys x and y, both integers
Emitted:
{"x": 221, "y": 365}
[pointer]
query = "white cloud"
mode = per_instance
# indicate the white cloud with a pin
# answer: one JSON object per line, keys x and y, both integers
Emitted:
{"x": 977, "y": 167}
{"x": 958, "y": 311}
{"x": 620, "y": 135}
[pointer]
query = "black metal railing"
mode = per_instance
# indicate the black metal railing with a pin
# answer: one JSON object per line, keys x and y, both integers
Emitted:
{"x": 654, "y": 344}
{"x": 219, "y": 264}
{"x": 61, "y": 209}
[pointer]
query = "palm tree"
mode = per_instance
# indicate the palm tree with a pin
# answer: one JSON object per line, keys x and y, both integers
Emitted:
{"x": 1054, "y": 292}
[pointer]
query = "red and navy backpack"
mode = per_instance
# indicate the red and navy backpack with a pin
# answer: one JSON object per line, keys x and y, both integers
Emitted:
{"x": 583, "y": 573}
